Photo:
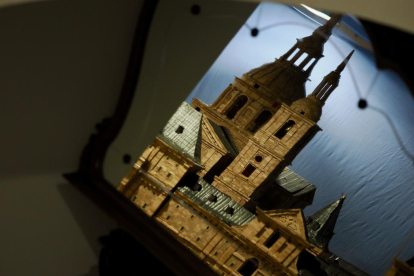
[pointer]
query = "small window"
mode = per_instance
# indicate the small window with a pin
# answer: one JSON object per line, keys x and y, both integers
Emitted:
{"x": 315, "y": 226}
{"x": 179, "y": 130}
{"x": 236, "y": 106}
{"x": 232, "y": 264}
{"x": 249, "y": 267}
{"x": 144, "y": 205}
{"x": 215, "y": 253}
{"x": 283, "y": 247}
{"x": 293, "y": 54}
{"x": 196, "y": 187}
{"x": 169, "y": 174}
{"x": 308, "y": 64}
{"x": 208, "y": 227}
{"x": 258, "y": 158}
{"x": 212, "y": 198}
{"x": 260, "y": 233}
{"x": 182, "y": 228}
{"x": 134, "y": 198}
{"x": 302, "y": 113}
{"x": 300, "y": 59}
{"x": 285, "y": 129}
{"x": 198, "y": 239}
{"x": 159, "y": 168}
{"x": 192, "y": 216}
{"x": 198, "y": 109}
{"x": 248, "y": 170}
{"x": 262, "y": 119}
{"x": 256, "y": 85}
{"x": 178, "y": 206}
{"x": 229, "y": 210}
{"x": 272, "y": 239}
{"x": 167, "y": 218}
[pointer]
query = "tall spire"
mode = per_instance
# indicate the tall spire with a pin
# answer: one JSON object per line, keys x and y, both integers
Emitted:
{"x": 341, "y": 66}
{"x": 284, "y": 79}
{"x": 321, "y": 225}
{"x": 326, "y": 30}
{"x": 313, "y": 44}
{"x": 330, "y": 82}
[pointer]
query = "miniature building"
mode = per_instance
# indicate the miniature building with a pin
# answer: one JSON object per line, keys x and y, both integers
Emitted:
{"x": 401, "y": 268}
{"x": 217, "y": 176}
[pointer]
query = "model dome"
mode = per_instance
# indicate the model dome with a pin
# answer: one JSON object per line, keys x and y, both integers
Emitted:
{"x": 310, "y": 107}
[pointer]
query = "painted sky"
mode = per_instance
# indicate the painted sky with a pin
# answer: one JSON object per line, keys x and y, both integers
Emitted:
{"x": 356, "y": 153}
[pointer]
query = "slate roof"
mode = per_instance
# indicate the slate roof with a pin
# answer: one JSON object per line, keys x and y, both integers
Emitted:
{"x": 225, "y": 137}
{"x": 240, "y": 216}
{"x": 320, "y": 225}
{"x": 188, "y": 142}
{"x": 336, "y": 266}
{"x": 294, "y": 183}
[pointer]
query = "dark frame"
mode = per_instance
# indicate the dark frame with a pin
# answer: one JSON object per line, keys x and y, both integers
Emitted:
{"x": 90, "y": 181}
{"x": 89, "y": 177}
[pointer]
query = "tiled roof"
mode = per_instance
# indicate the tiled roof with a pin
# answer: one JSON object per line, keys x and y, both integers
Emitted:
{"x": 183, "y": 132}
{"x": 220, "y": 208}
{"x": 294, "y": 183}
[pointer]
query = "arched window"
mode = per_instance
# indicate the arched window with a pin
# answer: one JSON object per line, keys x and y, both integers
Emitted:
{"x": 262, "y": 119}
{"x": 249, "y": 267}
{"x": 236, "y": 106}
{"x": 285, "y": 129}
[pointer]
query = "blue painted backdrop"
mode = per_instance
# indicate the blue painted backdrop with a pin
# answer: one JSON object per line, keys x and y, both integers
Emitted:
{"x": 356, "y": 153}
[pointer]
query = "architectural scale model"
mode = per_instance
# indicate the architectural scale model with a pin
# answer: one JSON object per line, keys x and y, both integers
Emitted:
{"x": 217, "y": 176}
{"x": 400, "y": 268}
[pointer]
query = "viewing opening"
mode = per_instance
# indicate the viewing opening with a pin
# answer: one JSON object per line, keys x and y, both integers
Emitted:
{"x": 236, "y": 106}
{"x": 272, "y": 239}
{"x": 260, "y": 120}
{"x": 249, "y": 267}
{"x": 248, "y": 170}
{"x": 285, "y": 129}
{"x": 179, "y": 130}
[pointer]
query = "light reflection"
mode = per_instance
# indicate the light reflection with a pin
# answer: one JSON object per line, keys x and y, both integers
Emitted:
{"x": 316, "y": 12}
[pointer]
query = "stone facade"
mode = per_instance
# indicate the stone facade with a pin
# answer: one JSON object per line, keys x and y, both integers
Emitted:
{"x": 216, "y": 177}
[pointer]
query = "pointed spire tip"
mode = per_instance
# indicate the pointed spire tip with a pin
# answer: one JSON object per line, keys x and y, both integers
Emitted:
{"x": 350, "y": 55}
{"x": 344, "y": 62}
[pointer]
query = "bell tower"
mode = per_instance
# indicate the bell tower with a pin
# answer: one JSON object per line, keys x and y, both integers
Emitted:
{"x": 250, "y": 101}
{"x": 269, "y": 117}
{"x": 250, "y": 177}
{"x": 293, "y": 127}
